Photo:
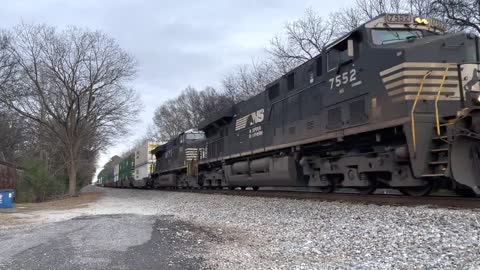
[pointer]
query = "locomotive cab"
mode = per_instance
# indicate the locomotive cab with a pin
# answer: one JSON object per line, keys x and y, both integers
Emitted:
{"x": 415, "y": 87}
{"x": 177, "y": 153}
{"x": 432, "y": 78}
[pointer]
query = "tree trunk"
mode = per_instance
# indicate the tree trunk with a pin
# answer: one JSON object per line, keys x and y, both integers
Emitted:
{"x": 72, "y": 177}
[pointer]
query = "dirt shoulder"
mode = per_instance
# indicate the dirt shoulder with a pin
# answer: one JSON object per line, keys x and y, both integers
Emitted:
{"x": 15, "y": 215}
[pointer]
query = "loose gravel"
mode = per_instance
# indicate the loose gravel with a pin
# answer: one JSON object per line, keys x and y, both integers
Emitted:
{"x": 275, "y": 233}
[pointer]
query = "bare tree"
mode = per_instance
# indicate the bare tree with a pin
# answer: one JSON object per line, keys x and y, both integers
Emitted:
{"x": 14, "y": 134}
{"x": 12, "y": 127}
{"x": 369, "y": 9}
{"x": 303, "y": 39}
{"x": 246, "y": 81}
{"x": 187, "y": 111}
{"x": 348, "y": 19}
{"x": 461, "y": 14}
{"x": 169, "y": 121}
{"x": 421, "y": 8}
{"x": 73, "y": 84}
{"x": 153, "y": 133}
{"x": 7, "y": 64}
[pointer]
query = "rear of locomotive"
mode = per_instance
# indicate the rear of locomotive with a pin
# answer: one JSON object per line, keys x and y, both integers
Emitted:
{"x": 433, "y": 80}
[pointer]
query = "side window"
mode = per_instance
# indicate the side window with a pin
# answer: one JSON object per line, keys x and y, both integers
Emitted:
{"x": 310, "y": 76}
{"x": 224, "y": 131}
{"x": 319, "y": 66}
{"x": 332, "y": 59}
{"x": 338, "y": 55}
{"x": 291, "y": 81}
{"x": 273, "y": 91}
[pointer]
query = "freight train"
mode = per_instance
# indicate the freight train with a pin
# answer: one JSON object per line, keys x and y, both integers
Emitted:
{"x": 395, "y": 104}
{"x": 133, "y": 170}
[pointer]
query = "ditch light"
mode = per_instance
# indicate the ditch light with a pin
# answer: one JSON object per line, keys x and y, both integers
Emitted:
{"x": 420, "y": 20}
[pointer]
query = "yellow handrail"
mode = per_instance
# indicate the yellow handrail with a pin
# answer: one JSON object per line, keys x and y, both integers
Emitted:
{"x": 412, "y": 113}
{"x": 437, "y": 117}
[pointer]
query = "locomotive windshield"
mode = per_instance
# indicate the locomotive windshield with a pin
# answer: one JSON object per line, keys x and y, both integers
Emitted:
{"x": 387, "y": 36}
{"x": 195, "y": 136}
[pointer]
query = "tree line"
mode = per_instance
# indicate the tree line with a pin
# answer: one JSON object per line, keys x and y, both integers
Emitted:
{"x": 300, "y": 41}
{"x": 64, "y": 96}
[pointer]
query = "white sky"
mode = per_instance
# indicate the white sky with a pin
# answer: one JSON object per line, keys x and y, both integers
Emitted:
{"x": 176, "y": 43}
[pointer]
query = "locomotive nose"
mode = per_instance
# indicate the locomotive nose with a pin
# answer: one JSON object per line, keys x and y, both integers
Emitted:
{"x": 465, "y": 162}
{"x": 465, "y": 150}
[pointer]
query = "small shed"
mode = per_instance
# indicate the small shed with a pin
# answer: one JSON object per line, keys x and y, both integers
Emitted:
{"x": 9, "y": 174}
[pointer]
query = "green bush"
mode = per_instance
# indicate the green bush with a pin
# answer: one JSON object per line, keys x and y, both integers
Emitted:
{"x": 37, "y": 184}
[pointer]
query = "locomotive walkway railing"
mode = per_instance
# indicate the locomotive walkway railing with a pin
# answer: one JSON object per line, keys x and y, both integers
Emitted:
{"x": 437, "y": 97}
{"x": 437, "y": 113}
{"x": 412, "y": 113}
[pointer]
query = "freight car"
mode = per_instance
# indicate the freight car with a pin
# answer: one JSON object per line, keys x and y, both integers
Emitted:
{"x": 133, "y": 170}
{"x": 395, "y": 103}
{"x": 107, "y": 177}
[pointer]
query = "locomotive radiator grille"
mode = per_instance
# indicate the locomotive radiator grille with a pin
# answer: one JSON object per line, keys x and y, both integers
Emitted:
{"x": 193, "y": 153}
{"x": 402, "y": 81}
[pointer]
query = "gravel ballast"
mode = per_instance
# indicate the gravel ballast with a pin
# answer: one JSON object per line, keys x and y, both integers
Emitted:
{"x": 275, "y": 233}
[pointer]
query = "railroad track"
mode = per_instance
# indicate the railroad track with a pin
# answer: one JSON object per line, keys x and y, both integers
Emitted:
{"x": 453, "y": 202}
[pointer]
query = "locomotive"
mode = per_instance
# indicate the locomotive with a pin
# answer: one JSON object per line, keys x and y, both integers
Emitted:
{"x": 394, "y": 103}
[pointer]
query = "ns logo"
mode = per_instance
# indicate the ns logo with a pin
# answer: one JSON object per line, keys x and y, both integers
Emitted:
{"x": 250, "y": 119}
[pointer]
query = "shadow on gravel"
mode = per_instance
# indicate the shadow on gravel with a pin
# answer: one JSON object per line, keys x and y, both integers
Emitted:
{"x": 122, "y": 241}
{"x": 173, "y": 245}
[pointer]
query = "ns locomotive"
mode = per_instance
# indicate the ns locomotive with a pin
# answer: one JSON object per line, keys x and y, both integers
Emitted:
{"x": 395, "y": 103}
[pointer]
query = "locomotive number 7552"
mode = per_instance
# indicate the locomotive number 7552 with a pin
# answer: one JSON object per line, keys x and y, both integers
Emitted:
{"x": 343, "y": 79}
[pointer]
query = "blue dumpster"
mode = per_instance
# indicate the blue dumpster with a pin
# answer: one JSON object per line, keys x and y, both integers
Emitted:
{"x": 6, "y": 198}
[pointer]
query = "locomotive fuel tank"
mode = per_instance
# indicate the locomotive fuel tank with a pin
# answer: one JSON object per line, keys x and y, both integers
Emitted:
{"x": 269, "y": 171}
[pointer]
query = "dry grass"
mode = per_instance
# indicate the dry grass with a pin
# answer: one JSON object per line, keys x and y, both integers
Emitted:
{"x": 61, "y": 204}
{"x": 14, "y": 216}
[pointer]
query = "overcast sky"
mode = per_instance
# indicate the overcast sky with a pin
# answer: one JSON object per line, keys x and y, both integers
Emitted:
{"x": 176, "y": 43}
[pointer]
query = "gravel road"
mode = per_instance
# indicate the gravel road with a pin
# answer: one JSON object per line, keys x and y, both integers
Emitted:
{"x": 150, "y": 229}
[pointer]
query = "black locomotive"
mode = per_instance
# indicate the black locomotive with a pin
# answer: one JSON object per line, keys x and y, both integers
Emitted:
{"x": 394, "y": 103}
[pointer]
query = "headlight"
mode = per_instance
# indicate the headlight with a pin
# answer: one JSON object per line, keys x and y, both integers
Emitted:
{"x": 420, "y": 20}
{"x": 475, "y": 98}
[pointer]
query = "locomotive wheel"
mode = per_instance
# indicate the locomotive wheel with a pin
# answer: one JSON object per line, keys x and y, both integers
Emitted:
{"x": 464, "y": 191}
{"x": 255, "y": 188}
{"x": 328, "y": 189}
{"x": 418, "y": 191}
{"x": 231, "y": 188}
{"x": 372, "y": 186}
{"x": 243, "y": 188}
{"x": 367, "y": 190}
